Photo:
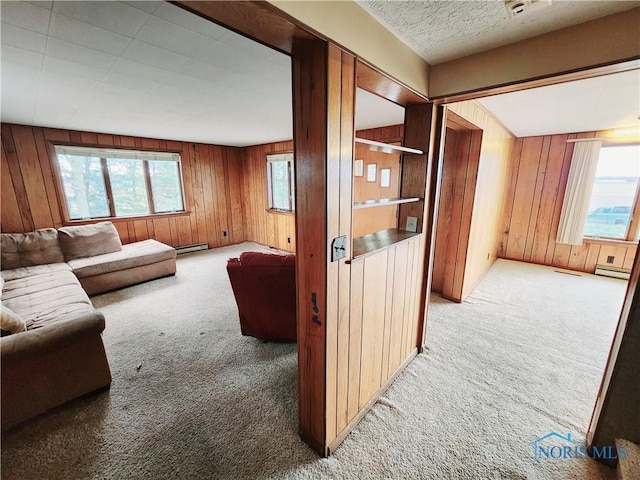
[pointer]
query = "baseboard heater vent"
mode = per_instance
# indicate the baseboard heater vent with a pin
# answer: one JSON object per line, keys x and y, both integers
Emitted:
{"x": 613, "y": 272}
{"x": 191, "y": 248}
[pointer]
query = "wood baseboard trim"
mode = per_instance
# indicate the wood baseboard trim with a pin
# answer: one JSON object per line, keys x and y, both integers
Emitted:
{"x": 335, "y": 443}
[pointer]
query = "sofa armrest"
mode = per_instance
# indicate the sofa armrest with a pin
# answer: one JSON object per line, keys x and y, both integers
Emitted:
{"x": 52, "y": 337}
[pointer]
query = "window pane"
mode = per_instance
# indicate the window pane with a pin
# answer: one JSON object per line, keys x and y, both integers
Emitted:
{"x": 165, "y": 185}
{"x": 280, "y": 185}
{"x": 128, "y": 187}
{"x": 83, "y": 185}
{"x": 613, "y": 193}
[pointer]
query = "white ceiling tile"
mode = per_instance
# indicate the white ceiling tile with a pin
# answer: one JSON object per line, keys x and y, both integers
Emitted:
{"x": 76, "y": 53}
{"x": 67, "y": 79}
{"x": 22, "y": 38}
{"x": 43, "y": 4}
{"x": 18, "y": 108}
{"x": 246, "y": 45}
{"x": 172, "y": 37}
{"x": 138, "y": 70}
{"x": 22, "y": 57}
{"x": 153, "y": 56}
{"x": 204, "y": 71}
{"x": 190, "y": 21}
{"x": 25, "y": 15}
{"x": 64, "y": 67}
{"x": 113, "y": 16}
{"x": 149, "y": 6}
{"x": 81, "y": 33}
{"x": 122, "y": 80}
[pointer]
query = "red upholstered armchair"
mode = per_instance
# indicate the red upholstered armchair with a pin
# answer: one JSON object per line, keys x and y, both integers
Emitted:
{"x": 265, "y": 289}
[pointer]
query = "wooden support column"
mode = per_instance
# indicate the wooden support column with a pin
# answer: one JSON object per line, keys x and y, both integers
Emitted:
{"x": 323, "y": 104}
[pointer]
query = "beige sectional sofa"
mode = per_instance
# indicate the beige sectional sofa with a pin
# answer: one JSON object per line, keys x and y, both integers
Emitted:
{"x": 55, "y": 351}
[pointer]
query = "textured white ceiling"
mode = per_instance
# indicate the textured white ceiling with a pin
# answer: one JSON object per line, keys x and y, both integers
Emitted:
{"x": 600, "y": 103}
{"x": 443, "y": 30}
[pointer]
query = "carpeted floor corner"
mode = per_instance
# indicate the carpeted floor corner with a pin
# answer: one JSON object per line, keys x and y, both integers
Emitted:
{"x": 193, "y": 399}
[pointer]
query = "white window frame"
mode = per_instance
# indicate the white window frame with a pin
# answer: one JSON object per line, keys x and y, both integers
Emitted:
{"x": 281, "y": 157}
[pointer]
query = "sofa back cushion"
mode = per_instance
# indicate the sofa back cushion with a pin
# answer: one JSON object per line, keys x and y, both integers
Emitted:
{"x": 259, "y": 259}
{"x": 89, "y": 240}
{"x": 29, "y": 249}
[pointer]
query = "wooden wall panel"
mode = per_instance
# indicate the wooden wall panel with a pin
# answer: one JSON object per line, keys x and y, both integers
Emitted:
{"x": 474, "y": 190}
{"x": 538, "y": 175}
{"x": 211, "y": 182}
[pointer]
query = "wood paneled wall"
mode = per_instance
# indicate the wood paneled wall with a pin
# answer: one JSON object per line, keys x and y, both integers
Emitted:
{"x": 459, "y": 182}
{"x": 536, "y": 185}
{"x": 211, "y": 177}
{"x": 479, "y": 234}
{"x": 263, "y": 226}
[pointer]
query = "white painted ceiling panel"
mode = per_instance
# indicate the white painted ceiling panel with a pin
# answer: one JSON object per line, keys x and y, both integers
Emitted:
{"x": 600, "y": 103}
{"x": 78, "y": 54}
{"x": 373, "y": 111}
{"x": 21, "y": 57}
{"x": 22, "y": 38}
{"x": 80, "y": 33}
{"x": 153, "y": 56}
{"x": 72, "y": 69}
{"x": 25, "y": 15}
{"x": 113, "y": 16}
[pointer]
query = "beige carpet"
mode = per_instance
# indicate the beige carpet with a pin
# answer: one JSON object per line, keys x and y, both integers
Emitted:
{"x": 522, "y": 357}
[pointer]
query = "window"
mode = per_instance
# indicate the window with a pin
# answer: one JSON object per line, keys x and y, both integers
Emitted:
{"x": 614, "y": 193}
{"x": 280, "y": 181}
{"x": 99, "y": 183}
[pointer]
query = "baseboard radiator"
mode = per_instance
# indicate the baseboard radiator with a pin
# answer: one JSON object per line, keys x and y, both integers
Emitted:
{"x": 614, "y": 272}
{"x": 191, "y": 248}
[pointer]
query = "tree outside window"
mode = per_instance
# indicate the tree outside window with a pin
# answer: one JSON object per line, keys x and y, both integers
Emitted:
{"x": 102, "y": 183}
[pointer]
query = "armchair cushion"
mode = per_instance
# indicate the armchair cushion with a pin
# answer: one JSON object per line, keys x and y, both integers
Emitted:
{"x": 264, "y": 286}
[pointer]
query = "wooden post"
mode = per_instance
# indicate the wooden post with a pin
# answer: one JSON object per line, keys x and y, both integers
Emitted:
{"x": 323, "y": 105}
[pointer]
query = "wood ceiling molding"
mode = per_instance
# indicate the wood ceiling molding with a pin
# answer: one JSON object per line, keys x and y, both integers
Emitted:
{"x": 373, "y": 80}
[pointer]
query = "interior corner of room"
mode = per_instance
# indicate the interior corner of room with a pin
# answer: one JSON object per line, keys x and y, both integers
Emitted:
{"x": 404, "y": 186}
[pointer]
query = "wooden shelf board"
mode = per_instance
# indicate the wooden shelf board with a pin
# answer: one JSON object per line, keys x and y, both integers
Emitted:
{"x": 373, "y": 242}
{"x": 383, "y": 202}
{"x": 384, "y": 147}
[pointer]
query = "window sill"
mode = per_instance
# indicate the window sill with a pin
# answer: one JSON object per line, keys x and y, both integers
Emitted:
{"x": 127, "y": 219}
{"x": 609, "y": 241}
{"x": 275, "y": 211}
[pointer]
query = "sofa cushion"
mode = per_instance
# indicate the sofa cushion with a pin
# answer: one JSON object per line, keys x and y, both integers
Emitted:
{"x": 10, "y": 321}
{"x": 14, "y": 274}
{"x": 28, "y": 249}
{"x": 45, "y": 298}
{"x": 258, "y": 259}
{"x": 132, "y": 255}
{"x": 89, "y": 240}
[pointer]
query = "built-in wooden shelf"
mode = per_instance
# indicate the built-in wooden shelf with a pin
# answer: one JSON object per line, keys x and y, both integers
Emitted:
{"x": 387, "y": 147}
{"x": 372, "y": 242}
{"x": 383, "y": 202}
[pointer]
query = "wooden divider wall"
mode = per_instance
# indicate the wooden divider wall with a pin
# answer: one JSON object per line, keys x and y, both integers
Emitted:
{"x": 536, "y": 186}
{"x": 211, "y": 177}
{"x": 471, "y": 203}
